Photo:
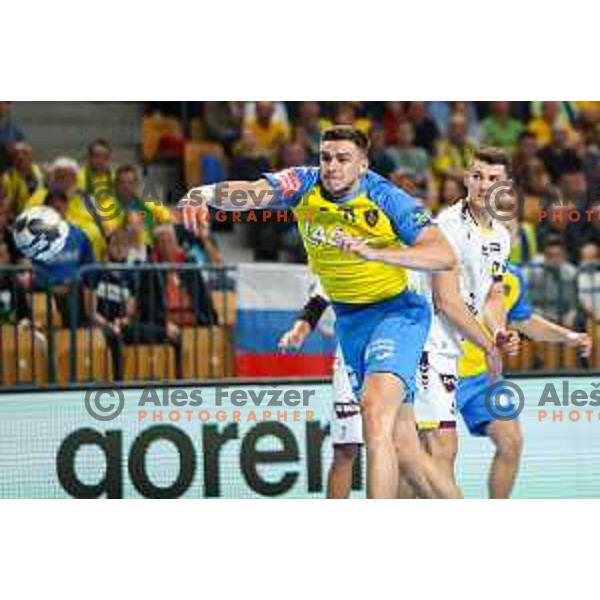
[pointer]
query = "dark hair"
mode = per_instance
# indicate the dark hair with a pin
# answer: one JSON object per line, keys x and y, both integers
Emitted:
{"x": 494, "y": 156}
{"x": 349, "y": 133}
{"x": 554, "y": 240}
{"x": 99, "y": 142}
{"x": 123, "y": 169}
{"x": 55, "y": 195}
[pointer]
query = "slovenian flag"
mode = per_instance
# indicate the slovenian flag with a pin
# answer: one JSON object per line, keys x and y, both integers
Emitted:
{"x": 269, "y": 298}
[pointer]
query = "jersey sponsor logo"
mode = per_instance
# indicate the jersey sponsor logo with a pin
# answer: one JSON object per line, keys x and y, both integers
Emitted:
{"x": 348, "y": 215}
{"x": 288, "y": 181}
{"x": 371, "y": 217}
{"x": 422, "y": 218}
{"x": 449, "y": 382}
{"x": 346, "y": 410}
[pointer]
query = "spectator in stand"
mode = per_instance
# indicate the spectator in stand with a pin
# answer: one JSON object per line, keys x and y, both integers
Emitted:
{"x": 23, "y": 178}
{"x": 393, "y": 115}
{"x": 114, "y": 301}
{"x": 588, "y": 282}
{"x": 553, "y": 285}
{"x": 412, "y": 162}
{"x": 379, "y": 159}
{"x": 525, "y": 154}
{"x": 523, "y": 242}
{"x": 270, "y": 133}
{"x": 451, "y": 190}
{"x": 544, "y": 122}
{"x": 223, "y": 122}
{"x": 454, "y": 153}
{"x": 441, "y": 112}
{"x": 309, "y": 121}
{"x": 15, "y": 308}
{"x": 10, "y": 134}
{"x": 426, "y": 131}
{"x": 346, "y": 114}
{"x": 500, "y": 129}
{"x": 558, "y": 156}
{"x": 61, "y": 272}
{"x": 248, "y": 162}
{"x": 186, "y": 298}
{"x": 553, "y": 222}
{"x": 80, "y": 210}
{"x": 280, "y": 112}
{"x": 97, "y": 175}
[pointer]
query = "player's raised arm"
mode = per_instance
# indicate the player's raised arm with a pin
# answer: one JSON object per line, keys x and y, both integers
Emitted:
{"x": 280, "y": 190}
{"x": 232, "y": 195}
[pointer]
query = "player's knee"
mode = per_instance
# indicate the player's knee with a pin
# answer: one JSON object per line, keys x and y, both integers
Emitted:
{"x": 344, "y": 455}
{"x": 509, "y": 442}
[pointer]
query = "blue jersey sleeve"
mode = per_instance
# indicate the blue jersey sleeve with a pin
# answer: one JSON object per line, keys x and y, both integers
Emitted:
{"x": 291, "y": 184}
{"x": 521, "y": 310}
{"x": 407, "y": 215}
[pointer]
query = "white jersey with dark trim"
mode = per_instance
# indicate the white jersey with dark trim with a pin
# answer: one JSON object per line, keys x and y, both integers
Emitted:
{"x": 482, "y": 255}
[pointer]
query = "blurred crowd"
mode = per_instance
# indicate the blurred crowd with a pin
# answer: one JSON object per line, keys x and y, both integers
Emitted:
{"x": 423, "y": 147}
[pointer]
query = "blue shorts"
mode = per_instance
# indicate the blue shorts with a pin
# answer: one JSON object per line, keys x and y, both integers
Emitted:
{"x": 470, "y": 400}
{"x": 385, "y": 337}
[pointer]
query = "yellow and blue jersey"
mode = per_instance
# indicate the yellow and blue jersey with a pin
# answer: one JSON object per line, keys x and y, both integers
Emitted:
{"x": 518, "y": 308}
{"x": 378, "y": 211}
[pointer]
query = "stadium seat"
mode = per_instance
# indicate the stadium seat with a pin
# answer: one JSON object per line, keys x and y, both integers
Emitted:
{"x": 148, "y": 362}
{"x": 154, "y": 128}
{"x": 40, "y": 311}
{"x": 225, "y": 304}
{"x": 206, "y": 353}
{"x": 197, "y": 129}
{"x": 596, "y": 339}
{"x": 92, "y": 357}
{"x": 24, "y": 356}
{"x": 193, "y": 153}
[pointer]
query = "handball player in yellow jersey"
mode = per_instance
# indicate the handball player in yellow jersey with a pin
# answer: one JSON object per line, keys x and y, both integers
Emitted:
{"x": 380, "y": 324}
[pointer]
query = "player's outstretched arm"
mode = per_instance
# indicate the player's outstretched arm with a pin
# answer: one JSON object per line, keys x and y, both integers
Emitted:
{"x": 431, "y": 252}
{"x": 540, "y": 329}
{"x": 232, "y": 195}
{"x": 447, "y": 299}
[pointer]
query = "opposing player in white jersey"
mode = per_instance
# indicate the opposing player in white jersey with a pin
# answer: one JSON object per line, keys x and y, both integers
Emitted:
{"x": 482, "y": 247}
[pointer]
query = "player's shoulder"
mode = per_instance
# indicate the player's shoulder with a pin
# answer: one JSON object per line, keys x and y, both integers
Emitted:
{"x": 297, "y": 177}
{"x": 381, "y": 190}
{"x": 450, "y": 214}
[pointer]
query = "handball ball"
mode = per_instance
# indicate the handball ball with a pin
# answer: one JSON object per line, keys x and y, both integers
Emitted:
{"x": 40, "y": 233}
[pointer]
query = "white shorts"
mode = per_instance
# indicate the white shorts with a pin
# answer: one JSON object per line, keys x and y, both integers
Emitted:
{"x": 435, "y": 400}
{"x": 346, "y": 420}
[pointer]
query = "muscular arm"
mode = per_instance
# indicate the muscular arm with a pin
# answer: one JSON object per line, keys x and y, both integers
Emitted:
{"x": 447, "y": 300}
{"x": 540, "y": 329}
{"x": 232, "y": 195}
{"x": 431, "y": 252}
{"x": 494, "y": 311}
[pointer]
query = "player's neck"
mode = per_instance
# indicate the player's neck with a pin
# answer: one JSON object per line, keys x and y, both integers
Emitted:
{"x": 480, "y": 216}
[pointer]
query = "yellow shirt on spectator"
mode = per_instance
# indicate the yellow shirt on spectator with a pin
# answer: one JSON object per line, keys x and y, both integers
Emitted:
{"x": 267, "y": 138}
{"x": 15, "y": 187}
{"x": 89, "y": 182}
